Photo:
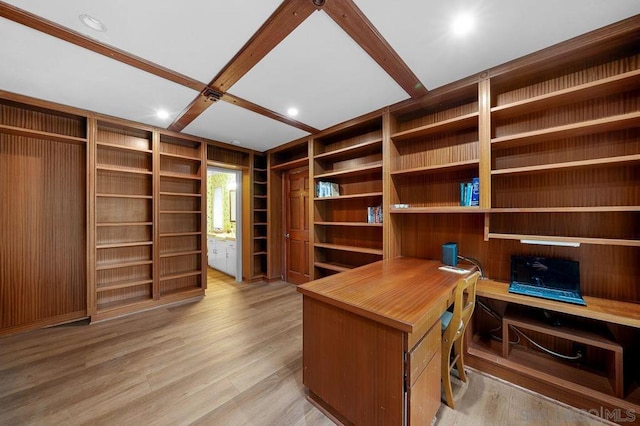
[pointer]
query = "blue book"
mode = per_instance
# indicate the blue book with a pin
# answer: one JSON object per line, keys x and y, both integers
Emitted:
{"x": 463, "y": 187}
{"x": 475, "y": 192}
{"x": 467, "y": 194}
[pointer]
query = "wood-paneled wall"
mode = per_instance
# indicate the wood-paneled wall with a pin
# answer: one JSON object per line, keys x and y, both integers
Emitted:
{"x": 42, "y": 221}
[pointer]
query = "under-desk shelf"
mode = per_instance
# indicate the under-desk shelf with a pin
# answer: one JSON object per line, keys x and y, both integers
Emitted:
{"x": 613, "y": 311}
{"x": 567, "y": 377}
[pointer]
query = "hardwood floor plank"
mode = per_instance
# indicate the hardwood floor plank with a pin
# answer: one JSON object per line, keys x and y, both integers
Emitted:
{"x": 233, "y": 358}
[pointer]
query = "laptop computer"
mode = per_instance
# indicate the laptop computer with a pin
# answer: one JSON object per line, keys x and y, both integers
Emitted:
{"x": 548, "y": 278}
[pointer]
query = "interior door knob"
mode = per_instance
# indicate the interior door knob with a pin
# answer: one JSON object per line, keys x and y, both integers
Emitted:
{"x": 286, "y": 235}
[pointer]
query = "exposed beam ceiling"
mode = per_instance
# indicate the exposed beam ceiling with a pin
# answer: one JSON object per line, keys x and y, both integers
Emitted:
{"x": 385, "y": 52}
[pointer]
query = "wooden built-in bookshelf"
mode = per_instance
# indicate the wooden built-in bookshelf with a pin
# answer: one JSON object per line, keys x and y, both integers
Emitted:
{"x": 181, "y": 221}
{"x": 344, "y": 236}
{"x": 556, "y": 148}
{"x": 259, "y": 234}
{"x": 123, "y": 216}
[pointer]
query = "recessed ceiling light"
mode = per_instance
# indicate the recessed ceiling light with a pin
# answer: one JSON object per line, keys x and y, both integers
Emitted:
{"x": 462, "y": 24}
{"x": 162, "y": 114}
{"x": 235, "y": 142}
{"x": 93, "y": 23}
{"x": 292, "y": 112}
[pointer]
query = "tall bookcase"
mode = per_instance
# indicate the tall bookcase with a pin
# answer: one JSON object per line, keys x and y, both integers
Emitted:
{"x": 347, "y": 225}
{"x": 123, "y": 216}
{"x": 259, "y": 234}
{"x": 182, "y": 223}
{"x": 148, "y": 218}
{"x": 554, "y": 141}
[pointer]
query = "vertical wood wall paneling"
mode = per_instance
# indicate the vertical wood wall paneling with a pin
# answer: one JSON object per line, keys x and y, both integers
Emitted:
{"x": 484, "y": 141}
{"x": 203, "y": 215}
{"x": 155, "y": 147}
{"x": 43, "y": 244}
{"x": 92, "y": 129}
{"x": 248, "y": 233}
{"x": 391, "y": 233}
{"x": 311, "y": 208}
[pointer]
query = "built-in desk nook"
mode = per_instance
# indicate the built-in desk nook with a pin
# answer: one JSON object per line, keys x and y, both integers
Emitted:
{"x": 371, "y": 341}
{"x": 592, "y": 374}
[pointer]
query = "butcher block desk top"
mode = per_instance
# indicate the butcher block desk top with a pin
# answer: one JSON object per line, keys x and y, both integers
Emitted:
{"x": 404, "y": 293}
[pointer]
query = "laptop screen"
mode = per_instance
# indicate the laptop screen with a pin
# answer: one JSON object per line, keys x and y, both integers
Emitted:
{"x": 546, "y": 272}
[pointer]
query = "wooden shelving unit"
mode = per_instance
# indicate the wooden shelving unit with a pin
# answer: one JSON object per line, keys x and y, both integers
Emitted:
{"x": 555, "y": 148}
{"x": 564, "y": 168}
{"x": 259, "y": 239}
{"x": 180, "y": 215}
{"x": 432, "y": 150}
{"x": 124, "y": 216}
{"x": 344, "y": 235}
{"x": 577, "y": 158}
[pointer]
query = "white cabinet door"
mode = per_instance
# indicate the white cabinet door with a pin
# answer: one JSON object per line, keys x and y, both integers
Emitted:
{"x": 232, "y": 257}
{"x": 211, "y": 248}
{"x": 220, "y": 256}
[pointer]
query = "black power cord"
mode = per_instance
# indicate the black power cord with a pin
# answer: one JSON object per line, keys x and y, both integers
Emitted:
{"x": 493, "y": 314}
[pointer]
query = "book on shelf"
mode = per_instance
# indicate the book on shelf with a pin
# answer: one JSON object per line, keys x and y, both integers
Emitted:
{"x": 327, "y": 189}
{"x": 374, "y": 214}
{"x": 470, "y": 192}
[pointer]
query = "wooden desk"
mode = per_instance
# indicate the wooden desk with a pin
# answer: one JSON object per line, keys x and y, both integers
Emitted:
{"x": 371, "y": 341}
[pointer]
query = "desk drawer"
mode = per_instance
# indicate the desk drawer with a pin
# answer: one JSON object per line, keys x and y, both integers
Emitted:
{"x": 422, "y": 353}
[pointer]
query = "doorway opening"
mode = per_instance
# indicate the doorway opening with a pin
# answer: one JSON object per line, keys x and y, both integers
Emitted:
{"x": 224, "y": 220}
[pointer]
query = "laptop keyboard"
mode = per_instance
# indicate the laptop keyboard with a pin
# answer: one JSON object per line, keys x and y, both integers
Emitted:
{"x": 547, "y": 293}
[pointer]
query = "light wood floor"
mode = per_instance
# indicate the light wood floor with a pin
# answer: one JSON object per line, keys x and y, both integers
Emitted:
{"x": 232, "y": 359}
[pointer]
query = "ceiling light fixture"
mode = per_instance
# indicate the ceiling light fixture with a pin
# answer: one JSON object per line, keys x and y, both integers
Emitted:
{"x": 93, "y": 23}
{"x": 292, "y": 112}
{"x": 162, "y": 114}
{"x": 462, "y": 24}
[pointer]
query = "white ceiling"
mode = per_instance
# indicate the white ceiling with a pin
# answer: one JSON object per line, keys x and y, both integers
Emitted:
{"x": 317, "y": 68}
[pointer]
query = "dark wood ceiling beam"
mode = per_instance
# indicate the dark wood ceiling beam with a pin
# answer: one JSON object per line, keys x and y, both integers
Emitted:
{"x": 227, "y": 97}
{"x": 280, "y": 24}
{"x": 289, "y": 15}
{"x": 48, "y": 27}
{"x": 351, "y": 19}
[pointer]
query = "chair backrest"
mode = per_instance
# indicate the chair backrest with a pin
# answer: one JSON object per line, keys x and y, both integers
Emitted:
{"x": 463, "y": 304}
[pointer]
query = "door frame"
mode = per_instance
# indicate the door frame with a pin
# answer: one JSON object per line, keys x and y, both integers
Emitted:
{"x": 239, "y": 208}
